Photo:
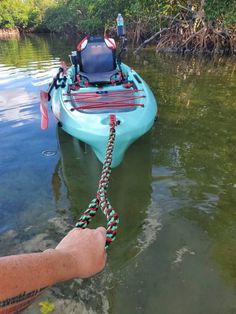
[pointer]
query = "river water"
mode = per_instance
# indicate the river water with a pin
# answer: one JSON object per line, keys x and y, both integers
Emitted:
{"x": 175, "y": 191}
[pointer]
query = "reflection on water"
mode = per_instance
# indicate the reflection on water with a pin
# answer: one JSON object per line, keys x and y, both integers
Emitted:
{"x": 19, "y": 104}
{"x": 174, "y": 191}
{"x": 129, "y": 190}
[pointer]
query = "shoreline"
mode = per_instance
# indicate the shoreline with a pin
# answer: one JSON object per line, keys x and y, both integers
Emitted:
{"x": 11, "y": 32}
{"x": 150, "y": 42}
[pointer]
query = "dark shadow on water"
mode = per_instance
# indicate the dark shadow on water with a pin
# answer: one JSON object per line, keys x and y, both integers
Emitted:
{"x": 129, "y": 191}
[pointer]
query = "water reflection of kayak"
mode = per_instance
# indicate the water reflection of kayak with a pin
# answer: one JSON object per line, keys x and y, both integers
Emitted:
{"x": 129, "y": 190}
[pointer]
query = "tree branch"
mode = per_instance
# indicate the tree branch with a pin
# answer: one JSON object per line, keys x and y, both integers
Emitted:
{"x": 150, "y": 39}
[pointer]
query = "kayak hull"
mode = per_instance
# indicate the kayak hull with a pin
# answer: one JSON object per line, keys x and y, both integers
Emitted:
{"x": 92, "y": 125}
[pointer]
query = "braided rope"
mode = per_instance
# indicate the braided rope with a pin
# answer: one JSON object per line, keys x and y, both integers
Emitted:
{"x": 101, "y": 199}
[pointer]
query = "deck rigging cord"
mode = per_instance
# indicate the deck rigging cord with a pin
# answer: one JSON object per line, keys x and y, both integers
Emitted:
{"x": 101, "y": 201}
{"x": 104, "y": 99}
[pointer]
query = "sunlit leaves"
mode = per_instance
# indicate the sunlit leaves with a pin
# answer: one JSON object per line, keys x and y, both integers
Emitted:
{"x": 22, "y": 14}
{"x": 85, "y": 16}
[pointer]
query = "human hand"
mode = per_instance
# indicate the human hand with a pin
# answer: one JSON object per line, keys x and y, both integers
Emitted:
{"x": 84, "y": 249}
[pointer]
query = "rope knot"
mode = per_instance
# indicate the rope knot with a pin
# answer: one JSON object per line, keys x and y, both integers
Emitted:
{"x": 112, "y": 120}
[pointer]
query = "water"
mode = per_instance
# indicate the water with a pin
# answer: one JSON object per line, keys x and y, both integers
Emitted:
{"x": 175, "y": 191}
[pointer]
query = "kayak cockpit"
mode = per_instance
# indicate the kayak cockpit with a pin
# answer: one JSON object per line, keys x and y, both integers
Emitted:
{"x": 97, "y": 59}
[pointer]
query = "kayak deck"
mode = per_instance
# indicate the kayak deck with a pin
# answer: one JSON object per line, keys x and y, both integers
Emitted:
{"x": 83, "y": 111}
{"x": 102, "y": 100}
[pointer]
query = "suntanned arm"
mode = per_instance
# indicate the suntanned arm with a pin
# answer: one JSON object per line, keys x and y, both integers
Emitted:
{"x": 22, "y": 277}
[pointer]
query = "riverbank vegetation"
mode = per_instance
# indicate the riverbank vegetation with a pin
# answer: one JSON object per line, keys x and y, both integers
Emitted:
{"x": 207, "y": 26}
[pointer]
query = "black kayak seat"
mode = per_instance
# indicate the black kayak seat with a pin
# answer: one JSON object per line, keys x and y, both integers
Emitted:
{"x": 97, "y": 61}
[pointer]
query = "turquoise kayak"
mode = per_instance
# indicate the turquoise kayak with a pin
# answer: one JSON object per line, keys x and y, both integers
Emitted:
{"x": 82, "y": 103}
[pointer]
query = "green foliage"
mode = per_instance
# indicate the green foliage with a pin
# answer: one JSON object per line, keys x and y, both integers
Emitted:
{"x": 13, "y": 13}
{"x": 86, "y": 16}
{"x": 89, "y": 16}
{"x": 83, "y": 15}
{"x": 223, "y": 11}
{"x": 23, "y": 14}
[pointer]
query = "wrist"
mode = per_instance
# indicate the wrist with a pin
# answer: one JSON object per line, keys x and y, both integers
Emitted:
{"x": 61, "y": 265}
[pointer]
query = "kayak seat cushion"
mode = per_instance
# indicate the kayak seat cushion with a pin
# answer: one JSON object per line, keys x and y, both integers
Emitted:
{"x": 94, "y": 78}
{"x": 97, "y": 61}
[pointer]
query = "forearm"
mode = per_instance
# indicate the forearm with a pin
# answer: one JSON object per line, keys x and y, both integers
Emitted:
{"x": 24, "y": 277}
{"x": 28, "y": 272}
{"x": 80, "y": 254}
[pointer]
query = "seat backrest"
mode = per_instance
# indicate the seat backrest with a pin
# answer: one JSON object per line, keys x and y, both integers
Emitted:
{"x": 94, "y": 55}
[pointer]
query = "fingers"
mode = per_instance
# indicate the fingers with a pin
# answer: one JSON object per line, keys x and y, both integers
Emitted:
{"x": 102, "y": 231}
{"x": 86, "y": 249}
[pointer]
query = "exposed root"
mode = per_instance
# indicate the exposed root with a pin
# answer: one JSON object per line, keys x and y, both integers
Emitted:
{"x": 190, "y": 33}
